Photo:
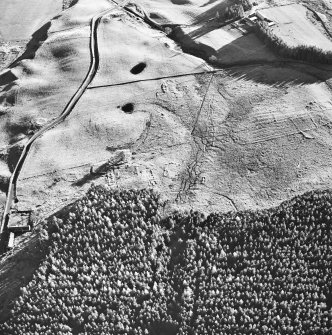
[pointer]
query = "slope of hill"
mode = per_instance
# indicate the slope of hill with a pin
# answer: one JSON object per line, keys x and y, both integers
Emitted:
{"x": 211, "y": 140}
{"x": 294, "y": 28}
{"x": 240, "y": 137}
{"x": 37, "y": 87}
{"x": 20, "y": 19}
{"x": 113, "y": 266}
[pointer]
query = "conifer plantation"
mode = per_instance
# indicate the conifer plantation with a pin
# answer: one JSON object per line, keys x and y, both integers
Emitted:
{"x": 115, "y": 266}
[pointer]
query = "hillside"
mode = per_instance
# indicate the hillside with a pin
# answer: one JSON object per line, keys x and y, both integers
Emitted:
{"x": 184, "y": 97}
{"x": 114, "y": 266}
{"x": 237, "y": 149}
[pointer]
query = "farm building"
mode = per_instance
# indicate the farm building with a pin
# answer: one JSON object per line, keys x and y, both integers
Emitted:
{"x": 11, "y": 239}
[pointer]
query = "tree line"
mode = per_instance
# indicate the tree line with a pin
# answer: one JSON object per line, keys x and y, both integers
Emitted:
{"x": 301, "y": 52}
{"x": 115, "y": 266}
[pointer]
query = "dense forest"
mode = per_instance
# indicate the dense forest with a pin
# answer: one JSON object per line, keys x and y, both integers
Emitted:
{"x": 114, "y": 266}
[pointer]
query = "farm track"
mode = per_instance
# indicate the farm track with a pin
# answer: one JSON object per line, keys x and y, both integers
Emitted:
{"x": 94, "y": 64}
{"x": 193, "y": 173}
{"x": 223, "y": 68}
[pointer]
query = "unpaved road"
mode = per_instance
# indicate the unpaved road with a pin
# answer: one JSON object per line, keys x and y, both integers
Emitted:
{"x": 94, "y": 64}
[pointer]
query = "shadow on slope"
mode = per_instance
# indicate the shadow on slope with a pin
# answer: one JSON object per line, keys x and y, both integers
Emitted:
{"x": 17, "y": 271}
{"x": 14, "y": 154}
{"x": 205, "y": 28}
{"x": 7, "y": 77}
{"x": 190, "y": 46}
{"x": 73, "y": 3}
{"x": 220, "y": 8}
{"x": 279, "y": 74}
{"x": 103, "y": 169}
{"x": 93, "y": 175}
{"x": 246, "y": 56}
{"x": 209, "y": 2}
{"x": 9, "y": 93}
{"x": 18, "y": 268}
{"x": 37, "y": 40}
{"x": 180, "y": 2}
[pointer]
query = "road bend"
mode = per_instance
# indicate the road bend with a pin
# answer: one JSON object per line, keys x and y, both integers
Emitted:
{"x": 94, "y": 64}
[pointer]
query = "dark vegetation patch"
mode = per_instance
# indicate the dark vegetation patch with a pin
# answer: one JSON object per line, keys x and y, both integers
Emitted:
{"x": 128, "y": 108}
{"x": 37, "y": 40}
{"x": 138, "y": 68}
{"x": 7, "y": 77}
{"x": 103, "y": 169}
{"x": 14, "y": 154}
{"x": 236, "y": 9}
{"x": 20, "y": 127}
{"x": 17, "y": 271}
{"x": 8, "y": 95}
{"x": 114, "y": 266}
{"x": 62, "y": 51}
{"x": 155, "y": 16}
{"x": 4, "y": 182}
{"x": 181, "y": 2}
{"x": 8, "y": 99}
{"x": 301, "y": 52}
{"x": 68, "y": 3}
{"x": 190, "y": 45}
{"x": 25, "y": 125}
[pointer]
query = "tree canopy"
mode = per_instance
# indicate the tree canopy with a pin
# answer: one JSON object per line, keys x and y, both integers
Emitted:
{"x": 115, "y": 266}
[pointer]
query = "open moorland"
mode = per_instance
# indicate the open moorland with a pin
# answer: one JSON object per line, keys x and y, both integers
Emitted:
{"x": 202, "y": 101}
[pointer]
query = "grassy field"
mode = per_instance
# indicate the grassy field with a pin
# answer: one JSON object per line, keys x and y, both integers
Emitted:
{"x": 240, "y": 139}
{"x": 134, "y": 42}
{"x": 180, "y": 129}
{"x": 183, "y": 12}
{"x": 40, "y": 83}
{"x": 98, "y": 126}
{"x": 294, "y": 28}
{"x": 20, "y": 19}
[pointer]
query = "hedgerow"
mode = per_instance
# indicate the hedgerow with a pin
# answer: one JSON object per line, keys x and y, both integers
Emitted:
{"x": 236, "y": 9}
{"x": 300, "y": 52}
{"x": 114, "y": 266}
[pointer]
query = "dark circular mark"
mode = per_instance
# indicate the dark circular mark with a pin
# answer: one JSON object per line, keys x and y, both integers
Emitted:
{"x": 128, "y": 108}
{"x": 138, "y": 68}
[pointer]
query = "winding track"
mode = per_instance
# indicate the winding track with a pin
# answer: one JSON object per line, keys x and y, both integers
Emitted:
{"x": 143, "y": 14}
{"x": 94, "y": 64}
